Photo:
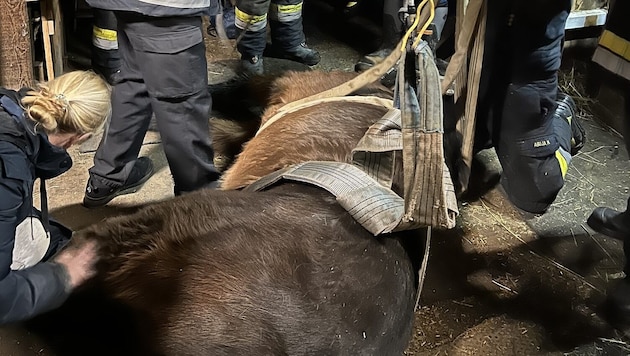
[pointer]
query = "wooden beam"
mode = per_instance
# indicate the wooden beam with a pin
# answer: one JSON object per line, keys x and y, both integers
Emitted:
{"x": 47, "y": 30}
{"x": 58, "y": 39}
{"x": 16, "y": 60}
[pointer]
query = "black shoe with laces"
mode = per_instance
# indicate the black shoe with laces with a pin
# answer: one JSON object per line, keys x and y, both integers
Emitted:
{"x": 98, "y": 193}
{"x": 370, "y": 60}
{"x": 301, "y": 53}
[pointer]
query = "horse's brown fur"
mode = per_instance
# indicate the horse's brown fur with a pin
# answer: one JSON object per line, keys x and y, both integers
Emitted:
{"x": 314, "y": 133}
{"x": 281, "y": 272}
{"x": 228, "y": 136}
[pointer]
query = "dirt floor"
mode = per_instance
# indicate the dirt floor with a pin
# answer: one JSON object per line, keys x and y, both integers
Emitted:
{"x": 497, "y": 284}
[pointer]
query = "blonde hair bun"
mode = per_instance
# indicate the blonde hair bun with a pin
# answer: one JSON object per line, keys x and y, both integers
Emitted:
{"x": 75, "y": 102}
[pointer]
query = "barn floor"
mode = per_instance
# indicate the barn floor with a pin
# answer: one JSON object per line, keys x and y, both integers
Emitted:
{"x": 496, "y": 284}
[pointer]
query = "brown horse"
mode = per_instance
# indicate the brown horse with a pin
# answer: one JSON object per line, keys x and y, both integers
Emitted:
{"x": 285, "y": 271}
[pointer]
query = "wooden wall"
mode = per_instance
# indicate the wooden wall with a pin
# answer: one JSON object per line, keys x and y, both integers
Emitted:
{"x": 16, "y": 60}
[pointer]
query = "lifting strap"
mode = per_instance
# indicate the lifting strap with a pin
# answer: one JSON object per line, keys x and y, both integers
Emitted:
{"x": 377, "y": 208}
{"x": 363, "y": 188}
{"x": 429, "y": 193}
{"x": 429, "y": 196}
{"x": 464, "y": 74}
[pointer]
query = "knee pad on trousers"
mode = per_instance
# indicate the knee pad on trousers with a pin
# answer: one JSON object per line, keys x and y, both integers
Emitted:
{"x": 533, "y": 177}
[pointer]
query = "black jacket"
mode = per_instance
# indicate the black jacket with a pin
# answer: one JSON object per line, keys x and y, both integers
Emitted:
{"x": 24, "y": 156}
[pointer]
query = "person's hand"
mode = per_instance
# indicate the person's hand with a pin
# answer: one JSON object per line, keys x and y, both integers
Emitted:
{"x": 79, "y": 262}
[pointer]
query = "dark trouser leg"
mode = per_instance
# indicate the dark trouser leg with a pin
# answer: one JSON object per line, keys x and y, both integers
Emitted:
{"x": 185, "y": 136}
{"x": 105, "y": 57}
{"x": 174, "y": 68}
{"x": 131, "y": 114}
{"x": 533, "y": 145}
{"x": 251, "y": 20}
{"x": 285, "y": 18}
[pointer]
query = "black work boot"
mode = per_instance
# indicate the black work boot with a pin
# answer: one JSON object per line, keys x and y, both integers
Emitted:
{"x": 98, "y": 193}
{"x": 610, "y": 222}
{"x": 302, "y": 54}
{"x": 567, "y": 110}
{"x": 370, "y": 60}
{"x": 251, "y": 66}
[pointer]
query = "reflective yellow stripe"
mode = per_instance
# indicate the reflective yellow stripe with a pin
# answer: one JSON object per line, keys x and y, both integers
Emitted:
{"x": 289, "y": 9}
{"x": 564, "y": 166}
{"x": 616, "y": 44}
{"x": 251, "y": 19}
{"x": 285, "y": 13}
{"x": 104, "y": 34}
{"x": 252, "y": 23}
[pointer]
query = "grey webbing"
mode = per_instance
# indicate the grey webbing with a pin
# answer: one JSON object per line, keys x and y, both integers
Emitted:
{"x": 377, "y": 208}
{"x": 363, "y": 187}
{"x": 428, "y": 188}
{"x": 375, "y": 152}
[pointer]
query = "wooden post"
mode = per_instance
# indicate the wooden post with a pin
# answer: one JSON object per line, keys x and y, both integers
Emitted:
{"x": 58, "y": 39}
{"x": 47, "y": 30}
{"x": 16, "y": 60}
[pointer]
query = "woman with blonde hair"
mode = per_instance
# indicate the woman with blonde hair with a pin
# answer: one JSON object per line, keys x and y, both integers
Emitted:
{"x": 36, "y": 128}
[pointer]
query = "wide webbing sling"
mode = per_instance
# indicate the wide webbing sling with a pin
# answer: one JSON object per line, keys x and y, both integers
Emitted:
{"x": 429, "y": 197}
{"x": 363, "y": 188}
{"x": 377, "y": 208}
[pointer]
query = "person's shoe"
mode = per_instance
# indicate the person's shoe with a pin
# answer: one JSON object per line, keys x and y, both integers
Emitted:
{"x": 98, "y": 194}
{"x": 370, "y": 60}
{"x": 252, "y": 66}
{"x": 302, "y": 54}
{"x": 568, "y": 110}
{"x": 610, "y": 222}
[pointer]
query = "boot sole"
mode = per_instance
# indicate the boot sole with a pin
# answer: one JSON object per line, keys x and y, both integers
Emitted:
{"x": 595, "y": 225}
{"x": 92, "y": 203}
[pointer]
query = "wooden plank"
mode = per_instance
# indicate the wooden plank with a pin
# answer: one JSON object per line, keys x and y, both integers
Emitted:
{"x": 466, "y": 125}
{"x": 46, "y": 27}
{"x": 58, "y": 39}
{"x": 586, "y": 18}
{"x": 16, "y": 61}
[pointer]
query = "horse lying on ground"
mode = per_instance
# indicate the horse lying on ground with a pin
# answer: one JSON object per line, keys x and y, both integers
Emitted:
{"x": 285, "y": 271}
{"x": 230, "y": 135}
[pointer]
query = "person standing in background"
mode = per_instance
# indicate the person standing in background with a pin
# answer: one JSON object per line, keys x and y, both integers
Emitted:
{"x": 163, "y": 73}
{"x": 284, "y": 18}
